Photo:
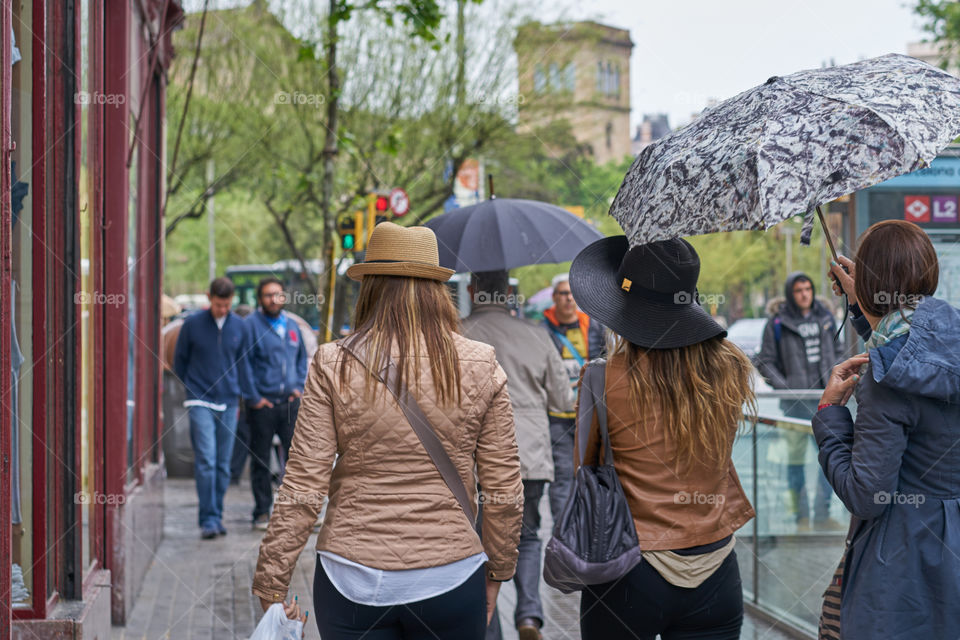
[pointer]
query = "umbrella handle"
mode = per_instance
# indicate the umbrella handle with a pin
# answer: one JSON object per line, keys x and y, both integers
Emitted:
{"x": 826, "y": 233}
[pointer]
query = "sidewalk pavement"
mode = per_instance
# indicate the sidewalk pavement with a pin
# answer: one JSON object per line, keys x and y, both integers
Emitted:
{"x": 200, "y": 589}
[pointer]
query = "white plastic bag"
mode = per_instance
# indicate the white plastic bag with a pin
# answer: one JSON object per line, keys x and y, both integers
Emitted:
{"x": 274, "y": 625}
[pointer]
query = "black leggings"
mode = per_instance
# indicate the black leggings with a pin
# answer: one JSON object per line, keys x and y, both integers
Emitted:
{"x": 642, "y": 604}
{"x": 460, "y": 613}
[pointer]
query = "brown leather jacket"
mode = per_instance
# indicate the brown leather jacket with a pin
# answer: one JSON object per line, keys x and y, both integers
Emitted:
{"x": 389, "y": 507}
{"x": 672, "y": 508}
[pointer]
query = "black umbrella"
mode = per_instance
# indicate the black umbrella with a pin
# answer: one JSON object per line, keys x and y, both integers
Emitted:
{"x": 503, "y": 233}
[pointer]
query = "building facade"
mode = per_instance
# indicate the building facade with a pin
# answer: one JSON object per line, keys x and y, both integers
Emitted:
{"x": 578, "y": 72}
{"x": 81, "y": 192}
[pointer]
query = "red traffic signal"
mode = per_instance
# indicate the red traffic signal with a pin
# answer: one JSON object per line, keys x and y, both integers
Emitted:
{"x": 381, "y": 204}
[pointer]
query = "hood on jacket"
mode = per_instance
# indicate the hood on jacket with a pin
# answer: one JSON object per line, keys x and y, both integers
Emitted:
{"x": 926, "y": 361}
{"x": 788, "y": 292}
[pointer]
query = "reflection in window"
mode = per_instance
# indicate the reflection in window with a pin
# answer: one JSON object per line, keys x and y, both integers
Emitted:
{"x": 20, "y": 306}
{"x": 133, "y": 229}
{"x": 555, "y": 80}
{"x": 88, "y": 296}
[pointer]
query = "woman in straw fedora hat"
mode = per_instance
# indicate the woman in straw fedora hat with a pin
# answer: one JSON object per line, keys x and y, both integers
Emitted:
{"x": 415, "y": 416}
{"x": 674, "y": 395}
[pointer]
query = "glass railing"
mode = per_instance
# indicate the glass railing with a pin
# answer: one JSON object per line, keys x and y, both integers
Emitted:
{"x": 790, "y": 550}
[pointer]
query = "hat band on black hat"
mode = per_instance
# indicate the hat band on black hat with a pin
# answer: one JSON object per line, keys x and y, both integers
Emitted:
{"x": 665, "y": 297}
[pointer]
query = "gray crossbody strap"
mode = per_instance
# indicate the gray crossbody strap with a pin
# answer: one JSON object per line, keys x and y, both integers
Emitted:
{"x": 421, "y": 426}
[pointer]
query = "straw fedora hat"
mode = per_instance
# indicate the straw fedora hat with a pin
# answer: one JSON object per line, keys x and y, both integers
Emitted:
{"x": 401, "y": 251}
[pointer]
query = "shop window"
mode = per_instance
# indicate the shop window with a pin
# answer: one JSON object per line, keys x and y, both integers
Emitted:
{"x": 23, "y": 567}
{"x": 133, "y": 267}
{"x": 88, "y": 297}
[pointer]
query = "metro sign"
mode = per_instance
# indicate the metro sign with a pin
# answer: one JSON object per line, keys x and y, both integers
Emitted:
{"x": 916, "y": 208}
{"x": 944, "y": 208}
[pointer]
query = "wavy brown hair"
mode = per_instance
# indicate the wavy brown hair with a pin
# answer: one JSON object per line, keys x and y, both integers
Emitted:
{"x": 700, "y": 390}
{"x": 409, "y": 313}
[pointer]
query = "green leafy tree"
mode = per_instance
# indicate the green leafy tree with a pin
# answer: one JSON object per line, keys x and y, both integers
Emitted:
{"x": 941, "y": 19}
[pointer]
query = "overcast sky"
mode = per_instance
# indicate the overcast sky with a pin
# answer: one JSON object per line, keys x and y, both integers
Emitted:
{"x": 687, "y": 51}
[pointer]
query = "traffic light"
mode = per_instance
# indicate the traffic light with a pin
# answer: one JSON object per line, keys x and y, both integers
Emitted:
{"x": 381, "y": 205}
{"x": 350, "y": 228}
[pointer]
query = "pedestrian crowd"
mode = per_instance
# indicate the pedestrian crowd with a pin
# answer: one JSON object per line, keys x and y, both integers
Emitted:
{"x": 425, "y": 443}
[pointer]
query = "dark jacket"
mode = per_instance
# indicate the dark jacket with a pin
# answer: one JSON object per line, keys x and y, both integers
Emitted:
{"x": 783, "y": 362}
{"x": 209, "y": 360}
{"x": 897, "y": 469}
{"x": 278, "y": 366}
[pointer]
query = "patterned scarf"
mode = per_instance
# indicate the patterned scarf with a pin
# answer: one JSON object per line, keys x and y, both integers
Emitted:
{"x": 894, "y": 324}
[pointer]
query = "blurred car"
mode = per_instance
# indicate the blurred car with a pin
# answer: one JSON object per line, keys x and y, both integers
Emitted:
{"x": 747, "y": 333}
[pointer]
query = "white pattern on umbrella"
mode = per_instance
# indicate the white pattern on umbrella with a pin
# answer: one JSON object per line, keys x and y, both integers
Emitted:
{"x": 789, "y": 145}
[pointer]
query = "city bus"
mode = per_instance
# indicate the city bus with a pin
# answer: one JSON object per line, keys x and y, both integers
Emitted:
{"x": 301, "y": 299}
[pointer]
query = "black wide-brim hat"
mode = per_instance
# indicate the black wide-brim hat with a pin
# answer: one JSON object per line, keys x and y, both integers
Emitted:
{"x": 647, "y": 294}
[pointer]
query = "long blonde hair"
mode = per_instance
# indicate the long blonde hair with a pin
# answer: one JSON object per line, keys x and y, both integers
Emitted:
{"x": 700, "y": 390}
{"x": 395, "y": 310}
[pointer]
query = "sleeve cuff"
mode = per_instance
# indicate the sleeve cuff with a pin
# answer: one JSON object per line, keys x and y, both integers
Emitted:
{"x": 834, "y": 421}
{"x": 273, "y": 595}
{"x": 502, "y": 575}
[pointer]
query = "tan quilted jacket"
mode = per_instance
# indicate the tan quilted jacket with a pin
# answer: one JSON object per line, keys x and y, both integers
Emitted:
{"x": 389, "y": 507}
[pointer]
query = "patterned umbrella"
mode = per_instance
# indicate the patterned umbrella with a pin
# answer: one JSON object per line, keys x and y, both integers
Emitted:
{"x": 789, "y": 145}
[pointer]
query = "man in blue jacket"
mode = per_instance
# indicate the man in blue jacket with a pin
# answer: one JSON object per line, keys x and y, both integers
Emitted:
{"x": 277, "y": 360}
{"x": 209, "y": 360}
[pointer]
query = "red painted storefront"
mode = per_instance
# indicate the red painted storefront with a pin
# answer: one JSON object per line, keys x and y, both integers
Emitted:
{"x": 82, "y": 85}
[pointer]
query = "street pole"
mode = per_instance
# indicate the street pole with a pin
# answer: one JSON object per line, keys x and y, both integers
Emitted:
{"x": 788, "y": 234}
{"x": 332, "y": 268}
{"x": 211, "y": 235}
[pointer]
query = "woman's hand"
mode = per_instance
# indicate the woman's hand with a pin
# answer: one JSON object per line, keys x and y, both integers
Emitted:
{"x": 845, "y": 278}
{"x": 291, "y": 609}
{"x": 493, "y": 590}
{"x": 843, "y": 379}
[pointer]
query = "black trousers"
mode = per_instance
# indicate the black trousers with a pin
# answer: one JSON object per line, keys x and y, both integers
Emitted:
{"x": 241, "y": 446}
{"x": 264, "y": 423}
{"x": 459, "y": 614}
{"x": 642, "y": 604}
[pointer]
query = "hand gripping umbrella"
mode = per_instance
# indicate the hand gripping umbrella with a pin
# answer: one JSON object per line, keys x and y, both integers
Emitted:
{"x": 788, "y": 146}
{"x": 504, "y": 233}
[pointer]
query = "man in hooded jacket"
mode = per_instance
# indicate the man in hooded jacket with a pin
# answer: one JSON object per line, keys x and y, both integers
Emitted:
{"x": 798, "y": 351}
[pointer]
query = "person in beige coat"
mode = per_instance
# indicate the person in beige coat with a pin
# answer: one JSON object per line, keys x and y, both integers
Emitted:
{"x": 537, "y": 380}
{"x": 397, "y": 555}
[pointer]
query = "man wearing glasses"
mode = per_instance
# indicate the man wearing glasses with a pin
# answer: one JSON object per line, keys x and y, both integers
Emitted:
{"x": 579, "y": 340}
{"x": 278, "y": 363}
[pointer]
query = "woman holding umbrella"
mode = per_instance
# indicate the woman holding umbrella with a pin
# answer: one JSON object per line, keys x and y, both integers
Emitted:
{"x": 675, "y": 391}
{"x": 897, "y": 466}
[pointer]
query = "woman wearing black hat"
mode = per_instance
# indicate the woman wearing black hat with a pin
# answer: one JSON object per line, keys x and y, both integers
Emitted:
{"x": 675, "y": 391}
